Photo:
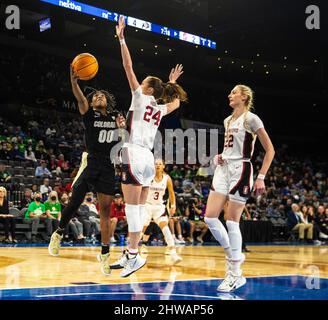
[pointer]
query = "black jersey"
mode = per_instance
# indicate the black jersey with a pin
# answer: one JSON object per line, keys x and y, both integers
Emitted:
{"x": 100, "y": 135}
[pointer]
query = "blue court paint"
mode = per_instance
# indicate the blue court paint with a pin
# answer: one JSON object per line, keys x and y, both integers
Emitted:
{"x": 257, "y": 288}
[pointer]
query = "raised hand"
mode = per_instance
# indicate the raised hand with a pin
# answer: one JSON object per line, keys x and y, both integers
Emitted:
{"x": 120, "y": 28}
{"x": 176, "y": 73}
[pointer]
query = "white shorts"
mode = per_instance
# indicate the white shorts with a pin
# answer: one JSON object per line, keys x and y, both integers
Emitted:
{"x": 155, "y": 212}
{"x": 138, "y": 165}
{"x": 234, "y": 179}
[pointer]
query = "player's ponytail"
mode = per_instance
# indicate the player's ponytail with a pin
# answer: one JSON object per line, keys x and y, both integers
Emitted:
{"x": 173, "y": 91}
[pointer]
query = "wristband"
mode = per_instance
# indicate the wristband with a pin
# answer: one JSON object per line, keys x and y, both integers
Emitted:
{"x": 261, "y": 176}
{"x": 122, "y": 41}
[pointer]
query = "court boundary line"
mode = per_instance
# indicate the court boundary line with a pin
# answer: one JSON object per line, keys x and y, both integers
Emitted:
{"x": 142, "y": 282}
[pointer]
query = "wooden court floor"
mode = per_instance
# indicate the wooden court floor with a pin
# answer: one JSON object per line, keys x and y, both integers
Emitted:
{"x": 29, "y": 267}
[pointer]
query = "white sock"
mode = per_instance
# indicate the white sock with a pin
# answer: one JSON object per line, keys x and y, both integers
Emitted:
{"x": 168, "y": 236}
{"x": 220, "y": 234}
{"x": 235, "y": 239}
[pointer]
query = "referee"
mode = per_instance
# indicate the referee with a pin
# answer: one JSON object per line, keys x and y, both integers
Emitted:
{"x": 96, "y": 173}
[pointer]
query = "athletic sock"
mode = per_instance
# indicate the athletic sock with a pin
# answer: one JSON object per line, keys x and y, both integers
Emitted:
{"x": 60, "y": 231}
{"x": 104, "y": 248}
{"x": 133, "y": 253}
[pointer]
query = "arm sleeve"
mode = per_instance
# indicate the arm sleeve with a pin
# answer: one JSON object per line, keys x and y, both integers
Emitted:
{"x": 255, "y": 123}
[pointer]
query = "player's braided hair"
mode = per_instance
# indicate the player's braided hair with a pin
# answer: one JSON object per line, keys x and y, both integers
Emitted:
{"x": 111, "y": 101}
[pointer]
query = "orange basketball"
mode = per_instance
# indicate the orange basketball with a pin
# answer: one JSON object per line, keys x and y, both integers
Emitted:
{"x": 85, "y": 65}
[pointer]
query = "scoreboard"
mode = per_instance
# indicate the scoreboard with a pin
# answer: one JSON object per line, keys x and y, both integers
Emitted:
{"x": 133, "y": 22}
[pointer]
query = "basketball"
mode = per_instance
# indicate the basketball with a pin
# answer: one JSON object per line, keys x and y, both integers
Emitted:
{"x": 85, "y": 65}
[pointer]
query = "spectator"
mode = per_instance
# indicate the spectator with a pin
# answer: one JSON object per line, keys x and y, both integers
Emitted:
{"x": 35, "y": 211}
{"x": 16, "y": 154}
{"x": 83, "y": 215}
{"x": 4, "y": 152}
{"x": 45, "y": 189}
{"x": 177, "y": 224}
{"x": 74, "y": 225}
{"x": 42, "y": 170}
{"x": 176, "y": 173}
{"x": 93, "y": 214}
{"x": 117, "y": 216}
{"x": 62, "y": 164}
{"x": 29, "y": 155}
{"x": 5, "y": 176}
{"x": 7, "y": 219}
{"x": 296, "y": 222}
{"x": 59, "y": 186}
{"x": 177, "y": 187}
{"x": 25, "y": 202}
{"x": 53, "y": 212}
{"x": 195, "y": 216}
{"x": 322, "y": 221}
{"x": 35, "y": 189}
{"x": 310, "y": 217}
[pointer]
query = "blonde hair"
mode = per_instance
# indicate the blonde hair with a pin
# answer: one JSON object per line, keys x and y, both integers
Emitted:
{"x": 4, "y": 191}
{"x": 53, "y": 193}
{"x": 249, "y": 104}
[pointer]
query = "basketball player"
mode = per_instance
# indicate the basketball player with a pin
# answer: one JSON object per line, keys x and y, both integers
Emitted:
{"x": 96, "y": 172}
{"x": 233, "y": 180}
{"x": 155, "y": 208}
{"x": 144, "y": 117}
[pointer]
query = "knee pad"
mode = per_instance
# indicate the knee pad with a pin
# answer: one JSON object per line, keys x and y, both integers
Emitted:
{"x": 132, "y": 213}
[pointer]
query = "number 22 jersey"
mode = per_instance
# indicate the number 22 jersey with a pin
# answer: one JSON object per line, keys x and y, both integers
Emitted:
{"x": 143, "y": 119}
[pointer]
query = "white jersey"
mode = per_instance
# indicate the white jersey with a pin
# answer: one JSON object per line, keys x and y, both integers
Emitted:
{"x": 157, "y": 191}
{"x": 143, "y": 119}
{"x": 240, "y": 138}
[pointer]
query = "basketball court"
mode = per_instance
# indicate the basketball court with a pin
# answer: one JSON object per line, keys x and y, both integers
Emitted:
{"x": 273, "y": 272}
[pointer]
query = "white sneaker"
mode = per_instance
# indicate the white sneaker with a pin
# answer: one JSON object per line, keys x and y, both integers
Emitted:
{"x": 132, "y": 266}
{"x": 181, "y": 240}
{"x": 104, "y": 261}
{"x": 54, "y": 244}
{"x": 323, "y": 235}
{"x": 121, "y": 262}
{"x": 175, "y": 258}
{"x": 231, "y": 282}
{"x": 112, "y": 240}
{"x": 317, "y": 242}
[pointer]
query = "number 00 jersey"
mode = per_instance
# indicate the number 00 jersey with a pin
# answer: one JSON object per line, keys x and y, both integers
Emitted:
{"x": 240, "y": 139}
{"x": 157, "y": 191}
{"x": 143, "y": 119}
{"x": 99, "y": 133}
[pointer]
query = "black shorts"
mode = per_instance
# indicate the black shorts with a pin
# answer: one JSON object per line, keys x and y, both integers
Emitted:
{"x": 98, "y": 175}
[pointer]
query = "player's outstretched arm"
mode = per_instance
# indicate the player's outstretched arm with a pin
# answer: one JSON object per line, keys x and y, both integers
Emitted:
{"x": 173, "y": 105}
{"x": 126, "y": 57}
{"x": 81, "y": 99}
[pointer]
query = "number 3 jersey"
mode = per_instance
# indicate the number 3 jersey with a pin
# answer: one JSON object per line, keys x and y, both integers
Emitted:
{"x": 157, "y": 191}
{"x": 143, "y": 119}
{"x": 240, "y": 136}
{"x": 99, "y": 133}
